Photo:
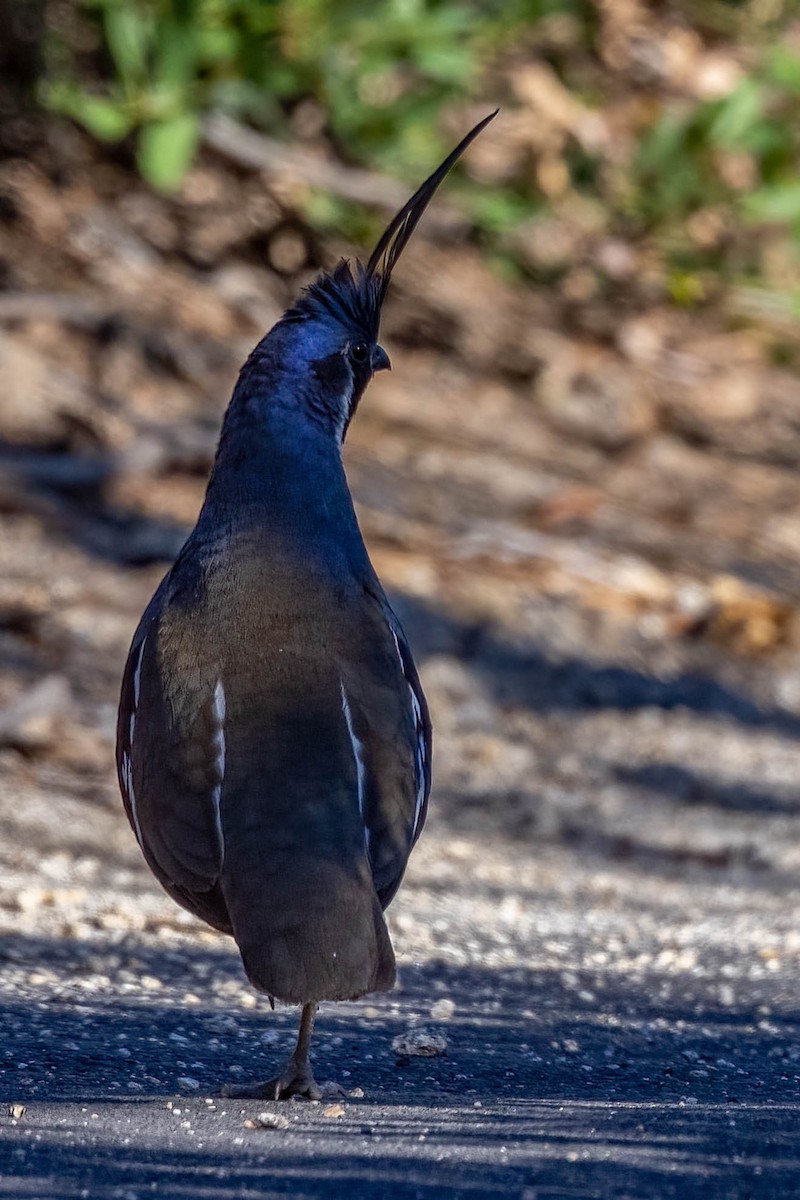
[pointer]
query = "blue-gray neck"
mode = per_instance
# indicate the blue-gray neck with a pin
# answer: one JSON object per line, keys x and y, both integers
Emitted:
{"x": 278, "y": 473}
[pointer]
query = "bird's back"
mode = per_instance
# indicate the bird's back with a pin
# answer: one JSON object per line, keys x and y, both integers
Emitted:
{"x": 272, "y": 767}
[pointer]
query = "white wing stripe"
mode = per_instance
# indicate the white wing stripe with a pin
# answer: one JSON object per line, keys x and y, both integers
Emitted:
{"x": 137, "y": 687}
{"x": 127, "y": 755}
{"x": 397, "y": 648}
{"x": 420, "y": 766}
{"x": 420, "y": 732}
{"x": 358, "y": 755}
{"x": 218, "y": 744}
{"x": 137, "y": 674}
{"x": 127, "y": 779}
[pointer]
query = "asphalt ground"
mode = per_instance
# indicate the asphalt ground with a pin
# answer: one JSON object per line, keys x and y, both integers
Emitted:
{"x": 602, "y": 920}
{"x": 663, "y": 1068}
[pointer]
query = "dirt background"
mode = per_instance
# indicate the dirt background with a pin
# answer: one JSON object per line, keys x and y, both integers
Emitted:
{"x": 588, "y": 515}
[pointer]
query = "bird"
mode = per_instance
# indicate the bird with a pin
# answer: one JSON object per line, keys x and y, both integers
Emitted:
{"x": 273, "y": 738}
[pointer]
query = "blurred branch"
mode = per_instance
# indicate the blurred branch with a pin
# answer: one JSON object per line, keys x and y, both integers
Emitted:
{"x": 766, "y": 306}
{"x": 277, "y": 160}
{"x": 61, "y": 306}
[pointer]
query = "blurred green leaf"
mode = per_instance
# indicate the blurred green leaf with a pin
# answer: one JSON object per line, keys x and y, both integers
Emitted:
{"x": 177, "y": 58}
{"x": 777, "y": 203}
{"x": 166, "y": 149}
{"x": 664, "y": 142}
{"x": 127, "y": 34}
{"x": 498, "y": 211}
{"x": 784, "y": 68}
{"x": 685, "y": 288}
{"x": 105, "y": 119}
{"x": 218, "y": 44}
{"x": 449, "y": 64}
{"x": 738, "y": 115}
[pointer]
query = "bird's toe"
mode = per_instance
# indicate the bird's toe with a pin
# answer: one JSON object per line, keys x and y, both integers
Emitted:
{"x": 296, "y": 1079}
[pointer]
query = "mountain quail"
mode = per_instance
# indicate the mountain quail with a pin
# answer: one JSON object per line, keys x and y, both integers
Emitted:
{"x": 273, "y": 741}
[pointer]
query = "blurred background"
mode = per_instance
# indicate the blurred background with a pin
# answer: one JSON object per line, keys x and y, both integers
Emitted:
{"x": 579, "y": 484}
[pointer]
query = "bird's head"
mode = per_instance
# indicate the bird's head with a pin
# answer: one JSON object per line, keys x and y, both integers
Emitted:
{"x": 329, "y": 337}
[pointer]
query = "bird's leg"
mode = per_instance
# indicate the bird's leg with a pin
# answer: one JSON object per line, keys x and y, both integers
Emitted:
{"x": 296, "y": 1078}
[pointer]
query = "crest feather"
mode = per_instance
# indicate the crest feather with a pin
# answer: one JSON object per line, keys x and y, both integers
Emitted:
{"x": 395, "y": 237}
{"x": 354, "y": 295}
{"x": 348, "y": 294}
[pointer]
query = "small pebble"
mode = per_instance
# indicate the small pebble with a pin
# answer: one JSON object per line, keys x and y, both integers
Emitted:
{"x": 333, "y": 1110}
{"x": 267, "y": 1120}
{"x": 222, "y": 1023}
{"x": 420, "y": 1043}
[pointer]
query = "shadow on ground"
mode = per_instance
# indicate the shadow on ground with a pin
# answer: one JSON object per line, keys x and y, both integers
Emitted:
{"x": 689, "y": 787}
{"x": 573, "y": 1086}
{"x": 537, "y": 1151}
{"x": 523, "y": 675}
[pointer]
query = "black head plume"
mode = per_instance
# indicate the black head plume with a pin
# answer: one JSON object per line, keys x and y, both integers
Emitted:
{"x": 395, "y": 237}
{"x": 355, "y": 295}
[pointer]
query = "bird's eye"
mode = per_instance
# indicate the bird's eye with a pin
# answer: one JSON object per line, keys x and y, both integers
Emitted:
{"x": 359, "y": 353}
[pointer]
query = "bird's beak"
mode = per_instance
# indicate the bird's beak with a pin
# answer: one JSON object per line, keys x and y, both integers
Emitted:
{"x": 380, "y": 360}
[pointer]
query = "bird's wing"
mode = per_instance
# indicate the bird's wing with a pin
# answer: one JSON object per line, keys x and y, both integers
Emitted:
{"x": 390, "y": 730}
{"x": 170, "y": 760}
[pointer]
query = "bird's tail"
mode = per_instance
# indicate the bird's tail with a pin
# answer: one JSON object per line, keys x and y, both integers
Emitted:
{"x": 314, "y": 933}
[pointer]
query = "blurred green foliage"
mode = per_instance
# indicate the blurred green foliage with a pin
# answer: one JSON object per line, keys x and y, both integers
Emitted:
{"x": 380, "y": 74}
{"x": 733, "y": 161}
{"x": 678, "y": 167}
{"x": 702, "y": 177}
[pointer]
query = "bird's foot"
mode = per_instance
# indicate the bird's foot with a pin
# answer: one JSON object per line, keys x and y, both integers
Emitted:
{"x": 296, "y": 1079}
